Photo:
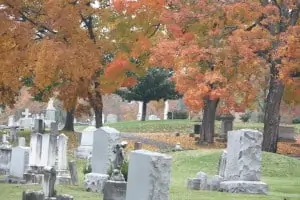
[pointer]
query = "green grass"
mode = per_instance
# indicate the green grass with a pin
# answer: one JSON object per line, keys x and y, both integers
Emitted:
{"x": 281, "y": 173}
{"x": 182, "y": 126}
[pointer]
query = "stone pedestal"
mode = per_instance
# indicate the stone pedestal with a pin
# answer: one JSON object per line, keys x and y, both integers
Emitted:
{"x": 114, "y": 190}
{"x": 94, "y": 182}
{"x": 247, "y": 187}
{"x": 5, "y": 159}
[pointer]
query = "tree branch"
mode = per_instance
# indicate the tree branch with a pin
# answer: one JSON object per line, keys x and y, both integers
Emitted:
{"x": 89, "y": 24}
{"x": 257, "y": 22}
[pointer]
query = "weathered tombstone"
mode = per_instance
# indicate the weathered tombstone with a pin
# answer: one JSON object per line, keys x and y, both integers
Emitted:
{"x": 45, "y": 149}
{"x": 286, "y": 133}
{"x": 39, "y": 126}
{"x": 19, "y": 162}
{"x": 63, "y": 176}
{"x": 26, "y": 120}
{"x": 86, "y": 143}
{"x": 114, "y": 190}
{"x": 21, "y": 142}
{"x": 5, "y": 158}
{"x": 111, "y": 118}
{"x": 226, "y": 125}
{"x": 153, "y": 117}
{"x": 54, "y": 128}
{"x": 4, "y": 139}
{"x": 33, "y": 195}
{"x": 152, "y": 181}
{"x": 198, "y": 183}
{"x": 105, "y": 139}
{"x": 11, "y": 120}
{"x": 35, "y": 149}
{"x": 49, "y": 181}
{"x": 215, "y": 183}
{"x": 222, "y": 163}
{"x": 243, "y": 163}
{"x": 73, "y": 172}
{"x": 138, "y": 145}
{"x": 13, "y": 133}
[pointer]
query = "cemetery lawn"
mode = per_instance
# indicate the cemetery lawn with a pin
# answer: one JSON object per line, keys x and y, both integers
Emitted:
{"x": 280, "y": 172}
{"x": 171, "y": 126}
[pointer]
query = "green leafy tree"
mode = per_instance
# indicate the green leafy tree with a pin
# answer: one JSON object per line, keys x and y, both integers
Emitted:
{"x": 155, "y": 85}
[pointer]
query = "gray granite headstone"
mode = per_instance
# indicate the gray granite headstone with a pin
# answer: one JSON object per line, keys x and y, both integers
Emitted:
{"x": 148, "y": 176}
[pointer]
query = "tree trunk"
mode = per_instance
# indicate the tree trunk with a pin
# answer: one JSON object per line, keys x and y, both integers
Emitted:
{"x": 95, "y": 99}
{"x": 69, "y": 124}
{"x": 98, "y": 116}
{"x": 208, "y": 124}
{"x": 144, "y": 111}
{"x": 272, "y": 112}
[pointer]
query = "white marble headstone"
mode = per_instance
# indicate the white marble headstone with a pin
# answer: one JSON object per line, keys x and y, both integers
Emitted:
{"x": 62, "y": 163}
{"x": 19, "y": 161}
{"x": 105, "y": 138}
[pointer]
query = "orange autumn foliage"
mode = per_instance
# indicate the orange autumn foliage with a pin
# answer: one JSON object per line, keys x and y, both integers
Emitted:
{"x": 67, "y": 56}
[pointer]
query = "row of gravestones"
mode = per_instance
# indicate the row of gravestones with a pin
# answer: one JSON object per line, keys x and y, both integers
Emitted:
{"x": 154, "y": 170}
{"x": 25, "y": 164}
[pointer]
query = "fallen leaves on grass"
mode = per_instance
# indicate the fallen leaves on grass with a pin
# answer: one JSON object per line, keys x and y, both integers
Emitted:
{"x": 186, "y": 142}
{"x": 289, "y": 147}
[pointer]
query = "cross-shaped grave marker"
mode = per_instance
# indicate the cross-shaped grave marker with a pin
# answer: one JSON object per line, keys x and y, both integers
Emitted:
{"x": 26, "y": 113}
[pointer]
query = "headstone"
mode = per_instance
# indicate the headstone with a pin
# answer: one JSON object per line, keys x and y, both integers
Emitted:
{"x": 11, "y": 121}
{"x": 4, "y": 139}
{"x": 21, "y": 142}
{"x": 49, "y": 181}
{"x": 199, "y": 182}
{"x": 52, "y": 152}
{"x": 54, "y": 128}
{"x": 35, "y": 149}
{"x": 138, "y": 145}
{"x": 50, "y": 111}
{"x": 114, "y": 190}
{"x": 45, "y": 149}
{"x": 26, "y": 120}
{"x": 86, "y": 143}
{"x": 152, "y": 181}
{"x": 33, "y": 195}
{"x": 62, "y": 152}
{"x": 39, "y": 126}
{"x": 105, "y": 139}
{"x": 222, "y": 163}
{"x": 73, "y": 172}
{"x": 166, "y": 110}
{"x": 243, "y": 163}
{"x": 153, "y": 117}
{"x": 63, "y": 174}
{"x": 5, "y": 159}
{"x": 140, "y": 110}
{"x": 19, "y": 161}
{"x": 111, "y": 118}
{"x": 226, "y": 125}
{"x": 13, "y": 133}
{"x": 286, "y": 133}
{"x": 243, "y": 155}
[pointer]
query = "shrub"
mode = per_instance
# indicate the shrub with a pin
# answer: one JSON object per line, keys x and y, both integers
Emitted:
{"x": 87, "y": 170}
{"x": 246, "y": 116}
{"x": 296, "y": 120}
